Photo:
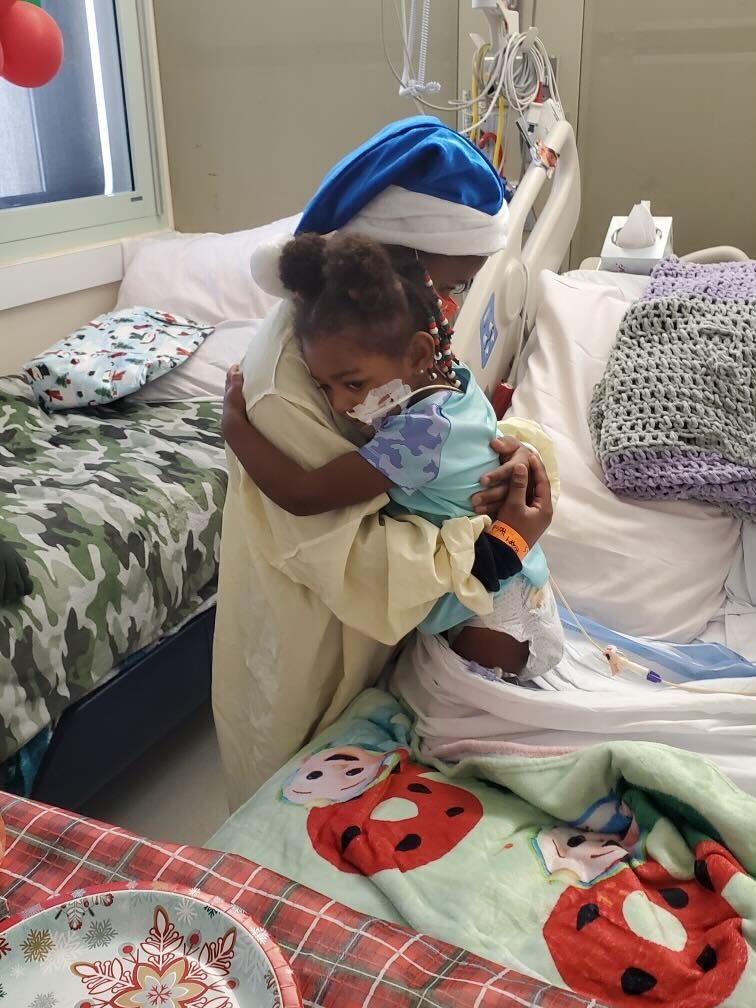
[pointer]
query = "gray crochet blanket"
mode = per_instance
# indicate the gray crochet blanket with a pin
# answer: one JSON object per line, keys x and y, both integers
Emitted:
{"x": 674, "y": 416}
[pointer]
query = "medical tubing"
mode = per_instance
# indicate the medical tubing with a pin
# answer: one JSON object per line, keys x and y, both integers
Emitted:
{"x": 422, "y": 56}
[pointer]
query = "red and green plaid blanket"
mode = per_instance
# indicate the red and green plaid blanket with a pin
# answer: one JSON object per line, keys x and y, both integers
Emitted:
{"x": 341, "y": 958}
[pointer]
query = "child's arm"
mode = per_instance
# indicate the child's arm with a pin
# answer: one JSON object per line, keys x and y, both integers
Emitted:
{"x": 346, "y": 480}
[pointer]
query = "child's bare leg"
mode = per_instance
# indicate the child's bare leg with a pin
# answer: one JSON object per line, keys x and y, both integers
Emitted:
{"x": 492, "y": 649}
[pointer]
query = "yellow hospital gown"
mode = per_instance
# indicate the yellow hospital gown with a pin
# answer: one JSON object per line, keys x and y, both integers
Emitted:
{"x": 310, "y": 609}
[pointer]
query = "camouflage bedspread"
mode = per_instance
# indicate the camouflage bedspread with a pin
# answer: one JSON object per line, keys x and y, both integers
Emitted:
{"x": 117, "y": 512}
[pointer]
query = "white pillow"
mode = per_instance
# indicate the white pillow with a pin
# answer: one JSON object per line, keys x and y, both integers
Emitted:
{"x": 205, "y": 277}
{"x": 203, "y": 375}
{"x": 644, "y": 568}
{"x": 627, "y": 285}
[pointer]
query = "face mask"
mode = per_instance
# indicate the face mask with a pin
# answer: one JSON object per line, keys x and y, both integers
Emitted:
{"x": 448, "y": 306}
{"x": 380, "y": 401}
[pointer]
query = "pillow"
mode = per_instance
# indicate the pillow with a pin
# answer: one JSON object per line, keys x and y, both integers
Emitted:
{"x": 644, "y": 568}
{"x": 627, "y": 285}
{"x": 111, "y": 357}
{"x": 205, "y": 277}
{"x": 203, "y": 376}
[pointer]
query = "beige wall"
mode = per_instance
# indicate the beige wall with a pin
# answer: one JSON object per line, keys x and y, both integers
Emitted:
{"x": 29, "y": 329}
{"x": 664, "y": 112}
{"x": 262, "y": 97}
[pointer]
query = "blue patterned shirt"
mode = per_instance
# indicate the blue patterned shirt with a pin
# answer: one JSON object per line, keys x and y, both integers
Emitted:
{"x": 435, "y": 452}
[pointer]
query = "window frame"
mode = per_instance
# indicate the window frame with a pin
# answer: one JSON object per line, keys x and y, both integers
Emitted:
{"x": 48, "y": 228}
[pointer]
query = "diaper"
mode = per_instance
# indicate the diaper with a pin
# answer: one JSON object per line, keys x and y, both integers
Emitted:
{"x": 525, "y": 613}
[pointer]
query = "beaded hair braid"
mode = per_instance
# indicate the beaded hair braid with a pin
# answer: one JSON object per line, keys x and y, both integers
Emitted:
{"x": 441, "y": 331}
{"x": 419, "y": 287}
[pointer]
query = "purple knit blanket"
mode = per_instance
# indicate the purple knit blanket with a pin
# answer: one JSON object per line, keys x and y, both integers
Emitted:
{"x": 674, "y": 416}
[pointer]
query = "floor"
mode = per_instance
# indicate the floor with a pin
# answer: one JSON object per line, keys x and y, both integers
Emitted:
{"x": 174, "y": 792}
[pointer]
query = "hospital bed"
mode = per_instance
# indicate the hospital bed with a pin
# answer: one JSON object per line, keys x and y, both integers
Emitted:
{"x": 636, "y": 573}
{"x": 116, "y": 512}
{"x": 675, "y": 571}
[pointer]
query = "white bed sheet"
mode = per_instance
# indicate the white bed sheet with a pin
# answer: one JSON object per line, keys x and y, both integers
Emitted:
{"x": 610, "y": 532}
{"x": 740, "y": 610}
{"x": 575, "y": 706}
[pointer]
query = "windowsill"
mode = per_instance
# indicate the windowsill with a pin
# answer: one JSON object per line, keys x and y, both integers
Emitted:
{"x": 49, "y": 276}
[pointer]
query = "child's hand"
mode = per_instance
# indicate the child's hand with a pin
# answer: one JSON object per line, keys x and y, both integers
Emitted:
{"x": 497, "y": 481}
{"x": 234, "y": 397}
{"x": 234, "y": 404}
{"x": 530, "y": 519}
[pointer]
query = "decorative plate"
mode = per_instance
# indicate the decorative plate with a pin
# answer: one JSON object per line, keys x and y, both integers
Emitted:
{"x": 141, "y": 946}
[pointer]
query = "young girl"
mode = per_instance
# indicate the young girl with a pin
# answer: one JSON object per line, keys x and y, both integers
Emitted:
{"x": 376, "y": 340}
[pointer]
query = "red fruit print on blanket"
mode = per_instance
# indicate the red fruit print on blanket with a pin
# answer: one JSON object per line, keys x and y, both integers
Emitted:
{"x": 642, "y": 937}
{"x": 403, "y": 822}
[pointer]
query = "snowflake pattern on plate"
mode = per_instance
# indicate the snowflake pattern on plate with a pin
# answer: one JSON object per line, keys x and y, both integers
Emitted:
{"x": 186, "y": 911}
{"x": 100, "y": 934}
{"x": 153, "y": 949}
{"x": 164, "y": 969}
{"x": 44, "y": 1001}
{"x": 37, "y": 946}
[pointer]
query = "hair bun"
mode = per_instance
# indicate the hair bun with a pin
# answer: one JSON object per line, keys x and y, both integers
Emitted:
{"x": 302, "y": 266}
{"x": 362, "y": 269}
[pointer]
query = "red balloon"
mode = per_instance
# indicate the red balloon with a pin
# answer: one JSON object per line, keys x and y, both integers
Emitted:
{"x": 5, "y": 5}
{"x": 2, "y": 60}
{"x": 32, "y": 43}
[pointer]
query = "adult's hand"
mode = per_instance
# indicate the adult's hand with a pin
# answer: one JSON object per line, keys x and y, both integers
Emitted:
{"x": 496, "y": 482}
{"x": 528, "y": 508}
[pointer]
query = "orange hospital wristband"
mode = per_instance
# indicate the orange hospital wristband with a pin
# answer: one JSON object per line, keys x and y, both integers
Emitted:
{"x": 513, "y": 539}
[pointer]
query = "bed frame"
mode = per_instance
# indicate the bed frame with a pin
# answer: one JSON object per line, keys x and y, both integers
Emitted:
{"x": 102, "y": 734}
{"x": 499, "y": 311}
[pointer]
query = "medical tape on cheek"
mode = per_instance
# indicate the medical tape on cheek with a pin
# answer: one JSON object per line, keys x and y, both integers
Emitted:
{"x": 380, "y": 401}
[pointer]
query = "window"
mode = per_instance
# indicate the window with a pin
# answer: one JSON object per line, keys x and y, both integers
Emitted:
{"x": 78, "y": 161}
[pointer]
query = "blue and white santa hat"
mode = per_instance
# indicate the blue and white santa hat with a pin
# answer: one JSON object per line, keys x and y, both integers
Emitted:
{"x": 416, "y": 183}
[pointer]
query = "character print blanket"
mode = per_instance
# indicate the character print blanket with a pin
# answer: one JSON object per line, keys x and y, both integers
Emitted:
{"x": 622, "y": 872}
